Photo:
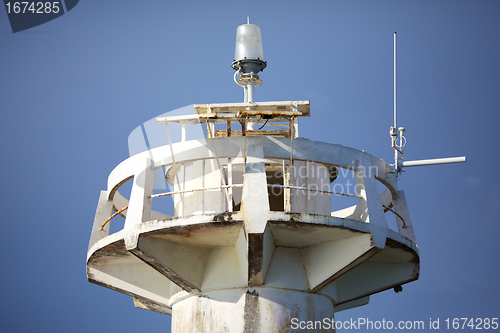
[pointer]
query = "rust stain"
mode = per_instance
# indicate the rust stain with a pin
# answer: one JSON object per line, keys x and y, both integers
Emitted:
{"x": 296, "y": 222}
{"x": 251, "y": 312}
{"x": 113, "y": 250}
{"x": 279, "y": 133}
{"x": 416, "y": 271}
{"x": 188, "y": 230}
{"x": 269, "y": 113}
{"x": 224, "y": 217}
{"x": 256, "y": 258}
{"x": 397, "y": 245}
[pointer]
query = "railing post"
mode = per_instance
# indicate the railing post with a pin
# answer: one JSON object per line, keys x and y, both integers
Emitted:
{"x": 370, "y": 208}
{"x": 401, "y": 207}
{"x": 104, "y": 207}
{"x": 139, "y": 209}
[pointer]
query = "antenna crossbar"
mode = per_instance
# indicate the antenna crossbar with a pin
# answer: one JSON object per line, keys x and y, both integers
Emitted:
{"x": 434, "y": 161}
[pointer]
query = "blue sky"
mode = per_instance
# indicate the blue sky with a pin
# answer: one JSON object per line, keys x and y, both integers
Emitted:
{"x": 73, "y": 89}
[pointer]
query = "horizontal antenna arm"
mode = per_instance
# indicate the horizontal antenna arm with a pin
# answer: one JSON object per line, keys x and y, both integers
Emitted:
{"x": 434, "y": 161}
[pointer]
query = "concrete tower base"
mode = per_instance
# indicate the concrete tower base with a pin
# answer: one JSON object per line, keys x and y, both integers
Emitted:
{"x": 251, "y": 310}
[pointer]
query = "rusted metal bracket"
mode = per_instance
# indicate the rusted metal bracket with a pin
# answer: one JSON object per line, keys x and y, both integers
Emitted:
{"x": 395, "y": 213}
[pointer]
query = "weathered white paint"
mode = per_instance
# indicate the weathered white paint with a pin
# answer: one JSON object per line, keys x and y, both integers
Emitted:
{"x": 101, "y": 215}
{"x": 268, "y": 249}
{"x": 255, "y": 204}
{"x": 370, "y": 208}
{"x": 328, "y": 261}
{"x": 401, "y": 208}
{"x": 314, "y": 176}
{"x": 222, "y": 269}
{"x": 249, "y": 310}
{"x": 177, "y": 261}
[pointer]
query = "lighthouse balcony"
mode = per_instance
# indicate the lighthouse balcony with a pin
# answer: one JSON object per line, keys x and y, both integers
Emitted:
{"x": 252, "y": 212}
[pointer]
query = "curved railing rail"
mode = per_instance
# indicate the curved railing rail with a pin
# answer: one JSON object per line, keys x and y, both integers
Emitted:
{"x": 232, "y": 150}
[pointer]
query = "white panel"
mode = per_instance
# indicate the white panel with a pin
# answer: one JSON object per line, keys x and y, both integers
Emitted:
{"x": 185, "y": 262}
{"x": 325, "y": 260}
{"x": 223, "y": 269}
{"x": 287, "y": 269}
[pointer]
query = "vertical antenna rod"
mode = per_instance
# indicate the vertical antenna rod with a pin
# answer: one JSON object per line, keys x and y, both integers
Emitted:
{"x": 398, "y": 147}
{"x": 394, "y": 79}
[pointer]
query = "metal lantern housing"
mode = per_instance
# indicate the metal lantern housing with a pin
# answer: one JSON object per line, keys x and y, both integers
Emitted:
{"x": 248, "y": 55}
